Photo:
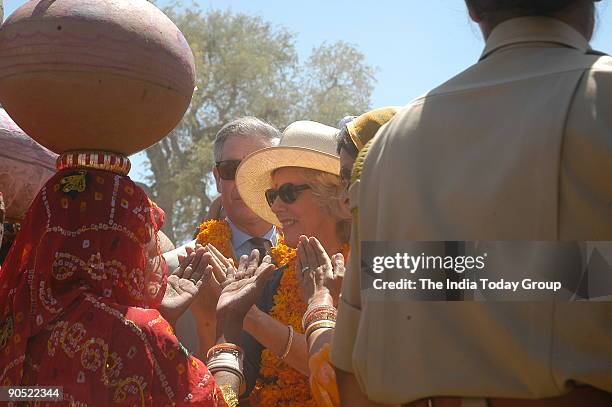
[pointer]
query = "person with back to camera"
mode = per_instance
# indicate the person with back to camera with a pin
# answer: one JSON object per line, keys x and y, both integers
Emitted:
{"x": 517, "y": 147}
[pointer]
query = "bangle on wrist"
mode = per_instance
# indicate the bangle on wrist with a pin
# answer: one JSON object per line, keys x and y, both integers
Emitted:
{"x": 289, "y": 343}
{"x": 318, "y": 313}
{"x": 318, "y": 325}
{"x": 228, "y": 347}
{"x": 227, "y": 357}
{"x": 240, "y": 375}
{"x": 320, "y": 316}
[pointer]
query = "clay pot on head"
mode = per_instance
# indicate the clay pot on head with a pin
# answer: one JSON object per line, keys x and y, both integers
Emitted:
{"x": 24, "y": 168}
{"x": 113, "y": 75}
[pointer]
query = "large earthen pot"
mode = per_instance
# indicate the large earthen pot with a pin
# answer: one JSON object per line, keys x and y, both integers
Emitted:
{"x": 24, "y": 168}
{"x": 111, "y": 75}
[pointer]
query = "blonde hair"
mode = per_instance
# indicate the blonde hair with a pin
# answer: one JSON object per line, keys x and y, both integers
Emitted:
{"x": 329, "y": 189}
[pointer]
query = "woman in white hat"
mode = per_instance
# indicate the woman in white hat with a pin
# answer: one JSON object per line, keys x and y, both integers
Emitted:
{"x": 296, "y": 186}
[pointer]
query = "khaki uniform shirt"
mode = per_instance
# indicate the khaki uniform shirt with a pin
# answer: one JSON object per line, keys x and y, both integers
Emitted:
{"x": 517, "y": 147}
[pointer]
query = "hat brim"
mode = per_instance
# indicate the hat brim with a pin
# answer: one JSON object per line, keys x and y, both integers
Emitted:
{"x": 254, "y": 175}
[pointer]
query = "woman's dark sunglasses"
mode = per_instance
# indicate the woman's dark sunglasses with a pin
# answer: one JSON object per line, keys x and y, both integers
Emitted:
{"x": 287, "y": 193}
{"x": 227, "y": 169}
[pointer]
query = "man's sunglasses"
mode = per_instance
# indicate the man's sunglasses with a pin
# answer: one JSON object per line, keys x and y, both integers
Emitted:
{"x": 227, "y": 169}
{"x": 287, "y": 193}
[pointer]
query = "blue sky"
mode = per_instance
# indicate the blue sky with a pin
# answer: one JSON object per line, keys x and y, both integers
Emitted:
{"x": 414, "y": 44}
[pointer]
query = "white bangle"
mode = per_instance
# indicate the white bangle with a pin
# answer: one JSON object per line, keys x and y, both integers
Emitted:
{"x": 289, "y": 343}
{"x": 228, "y": 361}
{"x": 226, "y": 358}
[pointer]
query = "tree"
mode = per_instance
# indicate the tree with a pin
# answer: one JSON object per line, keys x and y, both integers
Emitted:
{"x": 336, "y": 82}
{"x": 245, "y": 66}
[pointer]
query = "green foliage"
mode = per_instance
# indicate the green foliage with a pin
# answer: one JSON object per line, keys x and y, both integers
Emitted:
{"x": 245, "y": 66}
{"x": 336, "y": 83}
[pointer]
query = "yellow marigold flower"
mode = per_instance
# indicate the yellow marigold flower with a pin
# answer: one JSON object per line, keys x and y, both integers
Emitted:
{"x": 219, "y": 234}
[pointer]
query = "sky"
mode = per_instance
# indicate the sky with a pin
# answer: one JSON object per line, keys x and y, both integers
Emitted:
{"x": 414, "y": 44}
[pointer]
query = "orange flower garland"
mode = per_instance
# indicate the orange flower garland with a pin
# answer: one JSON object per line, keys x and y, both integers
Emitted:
{"x": 219, "y": 234}
{"x": 282, "y": 385}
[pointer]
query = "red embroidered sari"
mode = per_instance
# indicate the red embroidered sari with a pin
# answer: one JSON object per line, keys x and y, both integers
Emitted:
{"x": 78, "y": 300}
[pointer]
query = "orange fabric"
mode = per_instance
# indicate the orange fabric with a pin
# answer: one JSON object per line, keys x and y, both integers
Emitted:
{"x": 323, "y": 383}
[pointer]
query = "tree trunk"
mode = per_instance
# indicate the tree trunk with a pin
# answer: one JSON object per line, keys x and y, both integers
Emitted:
{"x": 164, "y": 187}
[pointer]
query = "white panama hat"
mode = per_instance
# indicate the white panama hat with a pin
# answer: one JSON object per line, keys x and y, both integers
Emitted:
{"x": 304, "y": 144}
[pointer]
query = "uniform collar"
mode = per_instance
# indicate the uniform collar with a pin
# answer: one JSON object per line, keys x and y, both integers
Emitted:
{"x": 534, "y": 29}
{"x": 239, "y": 237}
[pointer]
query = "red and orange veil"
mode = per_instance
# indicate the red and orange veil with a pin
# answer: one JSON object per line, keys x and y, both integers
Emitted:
{"x": 78, "y": 297}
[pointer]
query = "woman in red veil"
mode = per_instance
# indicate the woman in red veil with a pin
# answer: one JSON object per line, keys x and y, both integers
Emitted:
{"x": 79, "y": 299}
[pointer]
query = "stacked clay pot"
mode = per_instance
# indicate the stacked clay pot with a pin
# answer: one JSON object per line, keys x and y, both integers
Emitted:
{"x": 108, "y": 75}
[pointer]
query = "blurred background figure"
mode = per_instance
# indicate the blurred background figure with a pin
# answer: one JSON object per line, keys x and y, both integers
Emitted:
{"x": 25, "y": 166}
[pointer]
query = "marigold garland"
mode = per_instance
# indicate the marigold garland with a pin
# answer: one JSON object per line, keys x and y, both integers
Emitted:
{"x": 280, "y": 384}
{"x": 219, "y": 234}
